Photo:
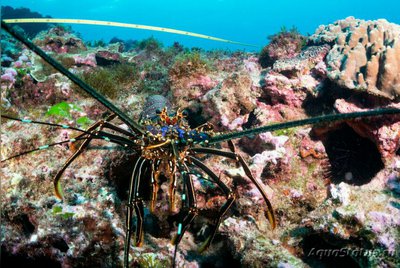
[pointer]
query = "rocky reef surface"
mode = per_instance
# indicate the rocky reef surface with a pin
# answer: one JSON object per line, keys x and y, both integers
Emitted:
{"x": 335, "y": 188}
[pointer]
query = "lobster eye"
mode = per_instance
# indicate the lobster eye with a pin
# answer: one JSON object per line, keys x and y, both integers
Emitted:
{"x": 185, "y": 113}
{"x": 158, "y": 111}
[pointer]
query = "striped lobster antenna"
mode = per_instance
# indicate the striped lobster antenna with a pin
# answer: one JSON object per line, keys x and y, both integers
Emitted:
{"x": 167, "y": 144}
{"x": 308, "y": 121}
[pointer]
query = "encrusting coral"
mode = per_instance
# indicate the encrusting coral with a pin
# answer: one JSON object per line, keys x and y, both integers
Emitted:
{"x": 365, "y": 55}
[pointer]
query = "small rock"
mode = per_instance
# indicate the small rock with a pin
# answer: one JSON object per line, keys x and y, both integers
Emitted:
{"x": 340, "y": 193}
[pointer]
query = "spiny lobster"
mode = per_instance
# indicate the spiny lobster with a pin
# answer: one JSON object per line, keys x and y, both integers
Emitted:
{"x": 166, "y": 145}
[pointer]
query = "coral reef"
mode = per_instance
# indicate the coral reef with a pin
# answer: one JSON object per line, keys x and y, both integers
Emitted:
{"x": 385, "y": 134}
{"x": 334, "y": 187}
{"x": 285, "y": 44}
{"x": 234, "y": 98}
{"x": 303, "y": 62}
{"x": 59, "y": 40}
{"x": 106, "y": 58}
{"x": 291, "y": 79}
{"x": 365, "y": 55}
{"x": 189, "y": 78}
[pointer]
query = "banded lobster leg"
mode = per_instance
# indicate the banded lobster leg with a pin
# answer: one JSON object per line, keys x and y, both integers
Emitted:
{"x": 189, "y": 209}
{"x": 134, "y": 202}
{"x": 155, "y": 174}
{"x": 189, "y": 205}
{"x": 91, "y": 133}
{"x": 239, "y": 159}
{"x": 230, "y": 195}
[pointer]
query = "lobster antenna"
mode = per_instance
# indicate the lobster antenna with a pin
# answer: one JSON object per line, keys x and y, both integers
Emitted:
{"x": 124, "y": 25}
{"x": 88, "y": 89}
{"x": 28, "y": 121}
{"x": 43, "y": 147}
{"x": 302, "y": 122}
{"x": 101, "y": 135}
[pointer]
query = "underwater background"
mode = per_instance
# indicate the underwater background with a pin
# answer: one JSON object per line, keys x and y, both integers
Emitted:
{"x": 243, "y": 21}
{"x": 320, "y": 194}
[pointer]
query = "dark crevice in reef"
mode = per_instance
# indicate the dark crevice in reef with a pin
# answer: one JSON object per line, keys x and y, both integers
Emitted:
{"x": 353, "y": 159}
{"x": 251, "y": 122}
{"x": 60, "y": 244}
{"x": 219, "y": 257}
{"x": 195, "y": 118}
{"x": 120, "y": 172}
{"x": 324, "y": 102}
{"x": 27, "y": 226}
{"x": 317, "y": 252}
{"x": 18, "y": 260}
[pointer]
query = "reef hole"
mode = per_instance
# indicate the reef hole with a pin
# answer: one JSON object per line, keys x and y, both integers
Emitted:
{"x": 195, "y": 117}
{"x": 18, "y": 260}
{"x": 317, "y": 252}
{"x": 220, "y": 256}
{"x": 26, "y": 225}
{"x": 120, "y": 172}
{"x": 353, "y": 159}
{"x": 60, "y": 244}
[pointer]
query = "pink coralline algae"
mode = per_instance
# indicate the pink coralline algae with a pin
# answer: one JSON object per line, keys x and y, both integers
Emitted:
{"x": 304, "y": 61}
{"x": 382, "y": 220}
{"x": 105, "y": 57}
{"x": 291, "y": 79}
{"x": 188, "y": 90}
{"x": 88, "y": 60}
{"x": 8, "y": 78}
{"x": 203, "y": 81}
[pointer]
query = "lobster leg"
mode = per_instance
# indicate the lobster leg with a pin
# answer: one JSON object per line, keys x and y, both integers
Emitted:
{"x": 172, "y": 185}
{"x": 92, "y": 129}
{"x": 189, "y": 212}
{"x": 134, "y": 202}
{"x": 258, "y": 184}
{"x": 270, "y": 210}
{"x": 155, "y": 174}
{"x": 191, "y": 199}
{"x": 222, "y": 211}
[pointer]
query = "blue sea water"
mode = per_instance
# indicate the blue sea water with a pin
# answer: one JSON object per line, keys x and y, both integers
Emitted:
{"x": 243, "y": 21}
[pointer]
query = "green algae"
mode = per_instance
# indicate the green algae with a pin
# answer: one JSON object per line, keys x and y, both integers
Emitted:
{"x": 58, "y": 211}
{"x": 111, "y": 81}
{"x": 189, "y": 64}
